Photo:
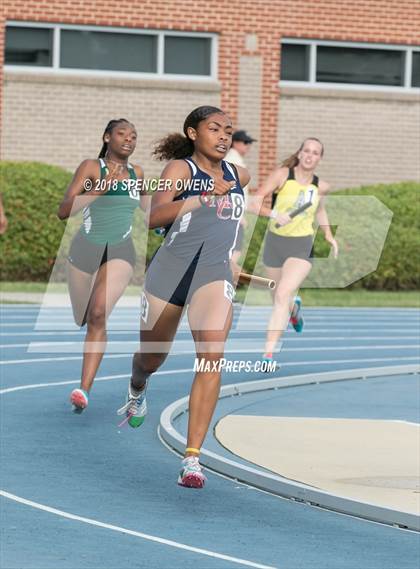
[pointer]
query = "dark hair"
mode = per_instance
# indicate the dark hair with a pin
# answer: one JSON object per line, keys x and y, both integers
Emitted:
{"x": 293, "y": 159}
{"x": 108, "y": 129}
{"x": 176, "y": 145}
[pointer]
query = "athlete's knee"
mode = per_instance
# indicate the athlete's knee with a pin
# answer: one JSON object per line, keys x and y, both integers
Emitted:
{"x": 146, "y": 364}
{"x": 212, "y": 350}
{"x": 283, "y": 295}
{"x": 96, "y": 317}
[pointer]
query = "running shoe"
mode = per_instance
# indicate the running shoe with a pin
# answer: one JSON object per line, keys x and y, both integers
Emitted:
{"x": 191, "y": 475}
{"x": 79, "y": 399}
{"x": 268, "y": 360}
{"x": 135, "y": 408}
{"x": 296, "y": 318}
{"x": 267, "y": 357}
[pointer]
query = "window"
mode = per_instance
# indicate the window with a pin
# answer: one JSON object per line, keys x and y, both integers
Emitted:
{"x": 295, "y": 62}
{"x": 187, "y": 55}
{"x": 415, "y": 76}
{"x": 110, "y": 51}
{"x": 65, "y": 48}
{"x": 29, "y": 46}
{"x": 319, "y": 62}
{"x": 359, "y": 65}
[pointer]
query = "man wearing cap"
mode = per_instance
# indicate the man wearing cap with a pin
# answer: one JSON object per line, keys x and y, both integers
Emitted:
{"x": 241, "y": 145}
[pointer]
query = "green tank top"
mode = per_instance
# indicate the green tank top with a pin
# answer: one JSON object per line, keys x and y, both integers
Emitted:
{"x": 109, "y": 219}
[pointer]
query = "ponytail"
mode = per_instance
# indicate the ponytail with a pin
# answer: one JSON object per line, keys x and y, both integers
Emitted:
{"x": 176, "y": 146}
{"x": 292, "y": 161}
{"x": 104, "y": 148}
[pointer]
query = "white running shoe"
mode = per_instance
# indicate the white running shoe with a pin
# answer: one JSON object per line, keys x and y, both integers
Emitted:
{"x": 135, "y": 408}
{"x": 191, "y": 474}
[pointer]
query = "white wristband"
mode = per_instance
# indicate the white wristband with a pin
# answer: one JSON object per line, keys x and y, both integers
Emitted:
{"x": 273, "y": 214}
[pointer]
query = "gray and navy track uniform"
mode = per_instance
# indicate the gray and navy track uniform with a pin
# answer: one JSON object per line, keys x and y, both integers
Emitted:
{"x": 105, "y": 233}
{"x": 198, "y": 245}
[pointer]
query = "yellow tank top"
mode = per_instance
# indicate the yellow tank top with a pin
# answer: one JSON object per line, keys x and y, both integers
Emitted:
{"x": 288, "y": 198}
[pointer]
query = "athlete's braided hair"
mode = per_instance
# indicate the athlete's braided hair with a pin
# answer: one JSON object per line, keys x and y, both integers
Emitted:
{"x": 176, "y": 145}
{"x": 293, "y": 159}
{"x": 108, "y": 129}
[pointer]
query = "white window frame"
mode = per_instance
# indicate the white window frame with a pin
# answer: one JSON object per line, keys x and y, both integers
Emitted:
{"x": 312, "y": 83}
{"x": 57, "y": 70}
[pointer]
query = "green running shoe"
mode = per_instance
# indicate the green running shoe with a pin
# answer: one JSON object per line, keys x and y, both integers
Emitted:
{"x": 135, "y": 409}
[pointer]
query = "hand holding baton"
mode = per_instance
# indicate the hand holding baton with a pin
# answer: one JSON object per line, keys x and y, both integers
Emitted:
{"x": 296, "y": 212}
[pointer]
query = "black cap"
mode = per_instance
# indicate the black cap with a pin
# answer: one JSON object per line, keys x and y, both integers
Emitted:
{"x": 242, "y": 136}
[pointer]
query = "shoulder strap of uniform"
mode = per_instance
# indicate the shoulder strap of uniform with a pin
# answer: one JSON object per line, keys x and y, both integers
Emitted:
{"x": 290, "y": 176}
{"x": 315, "y": 181}
{"x": 131, "y": 171}
{"x": 103, "y": 168}
{"x": 233, "y": 167}
{"x": 192, "y": 166}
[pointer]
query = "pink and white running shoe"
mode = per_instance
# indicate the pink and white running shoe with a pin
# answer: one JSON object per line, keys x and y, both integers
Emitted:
{"x": 79, "y": 399}
{"x": 191, "y": 474}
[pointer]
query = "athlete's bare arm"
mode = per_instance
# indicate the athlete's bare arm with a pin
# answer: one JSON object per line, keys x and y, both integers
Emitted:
{"x": 244, "y": 176}
{"x": 87, "y": 174}
{"x": 322, "y": 217}
{"x": 163, "y": 209}
{"x": 275, "y": 180}
{"x": 3, "y": 218}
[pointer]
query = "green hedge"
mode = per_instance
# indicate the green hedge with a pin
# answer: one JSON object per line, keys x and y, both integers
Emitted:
{"x": 399, "y": 264}
{"x": 33, "y": 191}
{"x": 28, "y": 250}
{"x": 31, "y": 194}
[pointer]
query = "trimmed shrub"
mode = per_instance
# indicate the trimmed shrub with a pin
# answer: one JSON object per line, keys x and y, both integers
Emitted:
{"x": 399, "y": 265}
{"x": 32, "y": 192}
{"x": 36, "y": 239}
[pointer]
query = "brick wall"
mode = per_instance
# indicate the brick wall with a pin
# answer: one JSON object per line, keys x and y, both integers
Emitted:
{"x": 60, "y": 120}
{"x": 368, "y": 137}
{"x": 249, "y": 104}
{"x": 388, "y": 21}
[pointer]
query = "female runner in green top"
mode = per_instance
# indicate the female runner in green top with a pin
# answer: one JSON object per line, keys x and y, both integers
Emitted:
{"x": 101, "y": 257}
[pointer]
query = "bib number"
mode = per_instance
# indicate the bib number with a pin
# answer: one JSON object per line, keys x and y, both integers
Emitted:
{"x": 238, "y": 206}
{"x": 311, "y": 195}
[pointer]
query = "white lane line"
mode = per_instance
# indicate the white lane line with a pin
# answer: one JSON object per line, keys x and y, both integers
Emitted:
{"x": 348, "y": 348}
{"x": 61, "y": 359}
{"x": 307, "y": 362}
{"x": 261, "y": 329}
{"x": 109, "y": 526}
{"x": 126, "y": 531}
{"x": 371, "y": 325}
{"x": 73, "y": 381}
{"x": 130, "y": 317}
{"x": 291, "y": 339}
{"x": 324, "y": 362}
{"x": 313, "y": 322}
{"x": 237, "y": 305}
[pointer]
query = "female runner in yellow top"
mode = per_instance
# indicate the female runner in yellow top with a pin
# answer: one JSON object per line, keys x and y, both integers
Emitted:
{"x": 288, "y": 245}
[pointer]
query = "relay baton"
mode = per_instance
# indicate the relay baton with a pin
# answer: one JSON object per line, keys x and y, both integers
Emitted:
{"x": 245, "y": 278}
{"x": 297, "y": 211}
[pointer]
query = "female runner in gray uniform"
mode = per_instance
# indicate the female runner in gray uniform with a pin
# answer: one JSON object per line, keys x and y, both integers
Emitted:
{"x": 201, "y": 211}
